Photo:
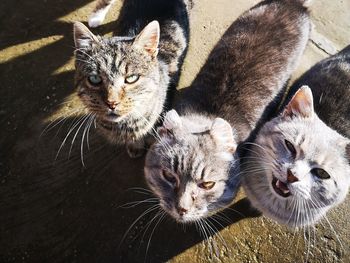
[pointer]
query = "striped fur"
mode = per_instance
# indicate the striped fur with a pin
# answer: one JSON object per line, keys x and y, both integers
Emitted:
{"x": 150, "y": 52}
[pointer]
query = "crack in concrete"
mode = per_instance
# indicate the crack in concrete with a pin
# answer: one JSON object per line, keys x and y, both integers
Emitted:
{"x": 323, "y": 43}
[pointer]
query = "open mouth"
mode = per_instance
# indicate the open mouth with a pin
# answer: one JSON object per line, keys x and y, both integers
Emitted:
{"x": 280, "y": 187}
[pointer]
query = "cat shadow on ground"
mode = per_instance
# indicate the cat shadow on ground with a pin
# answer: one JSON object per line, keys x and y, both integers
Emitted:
{"x": 59, "y": 209}
{"x": 54, "y": 206}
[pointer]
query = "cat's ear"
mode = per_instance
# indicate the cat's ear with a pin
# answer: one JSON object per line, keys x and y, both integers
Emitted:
{"x": 148, "y": 39}
{"x": 83, "y": 37}
{"x": 221, "y": 132}
{"x": 301, "y": 105}
{"x": 171, "y": 121}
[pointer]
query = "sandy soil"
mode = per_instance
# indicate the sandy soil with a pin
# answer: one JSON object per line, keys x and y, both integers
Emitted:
{"x": 54, "y": 207}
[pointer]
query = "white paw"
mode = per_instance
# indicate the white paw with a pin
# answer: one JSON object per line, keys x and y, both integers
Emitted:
{"x": 96, "y": 19}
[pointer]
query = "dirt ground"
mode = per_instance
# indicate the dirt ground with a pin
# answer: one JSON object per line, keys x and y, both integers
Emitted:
{"x": 56, "y": 207}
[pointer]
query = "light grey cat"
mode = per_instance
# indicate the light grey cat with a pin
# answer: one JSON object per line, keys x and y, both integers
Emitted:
{"x": 193, "y": 168}
{"x": 126, "y": 80}
{"x": 298, "y": 167}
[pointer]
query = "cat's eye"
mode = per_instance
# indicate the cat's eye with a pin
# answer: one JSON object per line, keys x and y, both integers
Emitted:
{"x": 290, "y": 148}
{"x": 132, "y": 78}
{"x": 95, "y": 79}
{"x": 320, "y": 173}
{"x": 207, "y": 185}
{"x": 168, "y": 176}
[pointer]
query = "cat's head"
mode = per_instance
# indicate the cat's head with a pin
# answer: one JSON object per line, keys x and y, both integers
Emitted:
{"x": 299, "y": 167}
{"x": 118, "y": 77}
{"x": 188, "y": 167}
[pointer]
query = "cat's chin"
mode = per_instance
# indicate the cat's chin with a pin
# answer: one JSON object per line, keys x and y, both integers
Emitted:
{"x": 188, "y": 219}
{"x": 113, "y": 117}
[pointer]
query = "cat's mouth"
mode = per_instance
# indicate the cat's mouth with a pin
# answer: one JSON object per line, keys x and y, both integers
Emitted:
{"x": 112, "y": 116}
{"x": 280, "y": 187}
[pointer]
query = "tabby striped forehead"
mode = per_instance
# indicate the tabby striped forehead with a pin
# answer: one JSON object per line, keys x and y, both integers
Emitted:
{"x": 114, "y": 57}
{"x": 109, "y": 59}
{"x": 189, "y": 165}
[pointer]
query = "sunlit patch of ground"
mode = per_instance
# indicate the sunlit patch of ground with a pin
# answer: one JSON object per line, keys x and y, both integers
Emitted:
{"x": 54, "y": 208}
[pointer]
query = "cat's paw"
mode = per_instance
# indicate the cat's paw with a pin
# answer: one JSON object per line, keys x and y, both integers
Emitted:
{"x": 136, "y": 149}
{"x": 96, "y": 19}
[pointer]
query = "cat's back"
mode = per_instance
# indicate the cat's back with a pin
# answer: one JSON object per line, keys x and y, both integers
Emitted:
{"x": 263, "y": 40}
{"x": 252, "y": 62}
{"x": 329, "y": 81}
{"x": 135, "y": 14}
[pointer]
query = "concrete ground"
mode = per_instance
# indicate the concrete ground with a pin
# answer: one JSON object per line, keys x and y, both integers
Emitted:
{"x": 58, "y": 208}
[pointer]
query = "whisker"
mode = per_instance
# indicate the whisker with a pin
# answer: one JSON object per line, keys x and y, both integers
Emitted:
{"x": 150, "y": 238}
{"x": 76, "y": 133}
{"x": 152, "y": 208}
{"x": 136, "y": 203}
{"x": 69, "y": 132}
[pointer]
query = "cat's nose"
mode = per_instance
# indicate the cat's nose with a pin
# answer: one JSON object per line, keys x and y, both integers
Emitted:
{"x": 181, "y": 210}
{"x": 112, "y": 104}
{"x": 291, "y": 178}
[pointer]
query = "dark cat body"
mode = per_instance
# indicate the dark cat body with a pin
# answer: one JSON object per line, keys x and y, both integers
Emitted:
{"x": 136, "y": 14}
{"x": 329, "y": 81}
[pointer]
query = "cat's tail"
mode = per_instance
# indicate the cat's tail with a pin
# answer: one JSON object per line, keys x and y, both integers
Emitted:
{"x": 100, "y": 12}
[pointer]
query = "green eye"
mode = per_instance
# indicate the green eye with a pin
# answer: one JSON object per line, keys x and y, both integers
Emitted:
{"x": 95, "y": 79}
{"x": 132, "y": 78}
{"x": 320, "y": 173}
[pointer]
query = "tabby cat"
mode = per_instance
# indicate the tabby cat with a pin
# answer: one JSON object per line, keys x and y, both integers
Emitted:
{"x": 124, "y": 80}
{"x": 193, "y": 168}
{"x": 301, "y": 158}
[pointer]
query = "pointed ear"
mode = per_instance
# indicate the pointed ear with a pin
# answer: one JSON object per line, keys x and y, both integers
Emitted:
{"x": 301, "y": 104}
{"x": 148, "y": 39}
{"x": 222, "y": 133}
{"x": 171, "y": 121}
{"x": 83, "y": 37}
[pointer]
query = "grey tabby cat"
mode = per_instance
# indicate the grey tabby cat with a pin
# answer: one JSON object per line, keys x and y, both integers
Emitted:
{"x": 298, "y": 167}
{"x": 193, "y": 168}
{"x": 124, "y": 79}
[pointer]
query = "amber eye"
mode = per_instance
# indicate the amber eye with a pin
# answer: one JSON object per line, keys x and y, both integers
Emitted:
{"x": 132, "y": 78}
{"x": 168, "y": 176}
{"x": 95, "y": 79}
{"x": 291, "y": 148}
{"x": 320, "y": 173}
{"x": 207, "y": 185}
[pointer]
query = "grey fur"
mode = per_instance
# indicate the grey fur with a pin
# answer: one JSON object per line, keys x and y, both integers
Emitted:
{"x": 244, "y": 73}
{"x": 320, "y": 135}
{"x": 138, "y": 106}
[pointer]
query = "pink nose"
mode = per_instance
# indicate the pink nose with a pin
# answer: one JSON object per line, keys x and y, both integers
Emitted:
{"x": 112, "y": 104}
{"x": 291, "y": 178}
